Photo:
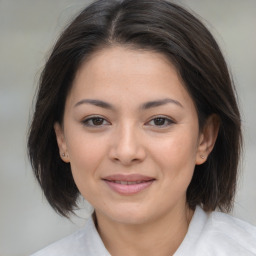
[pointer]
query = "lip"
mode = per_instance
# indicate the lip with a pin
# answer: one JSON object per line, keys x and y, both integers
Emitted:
{"x": 128, "y": 184}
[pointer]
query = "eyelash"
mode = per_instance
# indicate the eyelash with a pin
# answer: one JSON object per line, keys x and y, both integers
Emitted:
{"x": 89, "y": 122}
{"x": 167, "y": 121}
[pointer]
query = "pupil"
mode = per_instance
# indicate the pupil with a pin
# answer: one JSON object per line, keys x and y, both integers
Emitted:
{"x": 159, "y": 121}
{"x": 97, "y": 121}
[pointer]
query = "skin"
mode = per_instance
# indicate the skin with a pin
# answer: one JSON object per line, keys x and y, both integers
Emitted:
{"x": 128, "y": 139}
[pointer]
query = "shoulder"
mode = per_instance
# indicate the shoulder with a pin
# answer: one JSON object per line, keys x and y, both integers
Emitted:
{"x": 66, "y": 246}
{"x": 224, "y": 233}
{"x": 231, "y": 226}
{"x": 218, "y": 233}
{"x": 83, "y": 242}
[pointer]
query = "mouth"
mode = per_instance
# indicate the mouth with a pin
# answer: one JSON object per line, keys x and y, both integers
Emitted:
{"x": 128, "y": 184}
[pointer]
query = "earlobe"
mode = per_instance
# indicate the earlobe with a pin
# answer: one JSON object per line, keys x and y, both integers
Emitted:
{"x": 207, "y": 138}
{"x": 61, "y": 142}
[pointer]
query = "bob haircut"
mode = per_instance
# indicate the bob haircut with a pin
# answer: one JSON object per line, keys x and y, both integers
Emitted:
{"x": 158, "y": 26}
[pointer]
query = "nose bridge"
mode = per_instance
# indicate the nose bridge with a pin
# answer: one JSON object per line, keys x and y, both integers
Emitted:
{"x": 128, "y": 146}
{"x": 127, "y": 137}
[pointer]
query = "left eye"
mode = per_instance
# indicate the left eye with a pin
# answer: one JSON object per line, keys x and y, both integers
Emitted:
{"x": 160, "y": 121}
{"x": 95, "y": 121}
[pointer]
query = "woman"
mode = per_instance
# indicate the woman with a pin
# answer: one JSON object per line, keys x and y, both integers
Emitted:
{"x": 136, "y": 112}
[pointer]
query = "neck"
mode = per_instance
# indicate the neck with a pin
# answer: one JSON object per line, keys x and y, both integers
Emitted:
{"x": 160, "y": 236}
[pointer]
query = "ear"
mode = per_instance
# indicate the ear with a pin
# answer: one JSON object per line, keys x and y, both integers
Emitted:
{"x": 207, "y": 138}
{"x": 61, "y": 142}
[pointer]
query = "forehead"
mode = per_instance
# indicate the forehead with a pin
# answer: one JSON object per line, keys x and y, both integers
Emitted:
{"x": 128, "y": 72}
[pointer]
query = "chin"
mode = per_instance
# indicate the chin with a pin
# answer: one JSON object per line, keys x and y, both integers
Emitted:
{"x": 131, "y": 219}
{"x": 129, "y": 215}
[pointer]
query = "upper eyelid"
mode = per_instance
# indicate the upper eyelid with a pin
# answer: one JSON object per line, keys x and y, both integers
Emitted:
{"x": 87, "y": 118}
{"x": 94, "y": 116}
{"x": 170, "y": 123}
{"x": 161, "y": 116}
{"x": 149, "y": 120}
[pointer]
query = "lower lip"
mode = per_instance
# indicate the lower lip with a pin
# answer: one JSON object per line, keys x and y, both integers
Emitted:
{"x": 129, "y": 189}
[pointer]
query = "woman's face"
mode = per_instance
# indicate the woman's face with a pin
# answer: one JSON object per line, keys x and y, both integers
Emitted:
{"x": 131, "y": 134}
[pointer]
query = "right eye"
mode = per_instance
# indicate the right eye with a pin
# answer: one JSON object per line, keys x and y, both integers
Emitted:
{"x": 95, "y": 121}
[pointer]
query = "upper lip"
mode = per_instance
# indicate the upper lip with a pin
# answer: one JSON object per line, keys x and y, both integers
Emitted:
{"x": 128, "y": 177}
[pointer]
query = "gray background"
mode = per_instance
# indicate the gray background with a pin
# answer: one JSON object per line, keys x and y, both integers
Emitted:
{"x": 28, "y": 30}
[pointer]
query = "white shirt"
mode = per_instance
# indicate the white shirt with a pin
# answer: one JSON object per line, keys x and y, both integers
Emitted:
{"x": 208, "y": 235}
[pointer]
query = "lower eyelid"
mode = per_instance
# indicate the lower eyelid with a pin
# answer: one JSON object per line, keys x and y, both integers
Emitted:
{"x": 168, "y": 120}
{"x": 88, "y": 119}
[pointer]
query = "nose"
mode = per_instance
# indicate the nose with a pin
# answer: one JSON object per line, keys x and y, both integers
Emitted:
{"x": 127, "y": 146}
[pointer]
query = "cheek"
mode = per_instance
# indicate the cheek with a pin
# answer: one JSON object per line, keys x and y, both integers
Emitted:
{"x": 177, "y": 154}
{"x": 85, "y": 157}
{"x": 83, "y": 148}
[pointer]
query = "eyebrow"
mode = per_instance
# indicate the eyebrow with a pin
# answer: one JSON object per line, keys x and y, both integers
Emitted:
{"x": 98, "y": 103}
{"x": 144, "y": 106}
{"x": 157, "y": 103}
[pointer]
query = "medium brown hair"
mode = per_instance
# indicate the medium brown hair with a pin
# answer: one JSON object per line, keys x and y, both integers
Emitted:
{"x": 160, "y": 26}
